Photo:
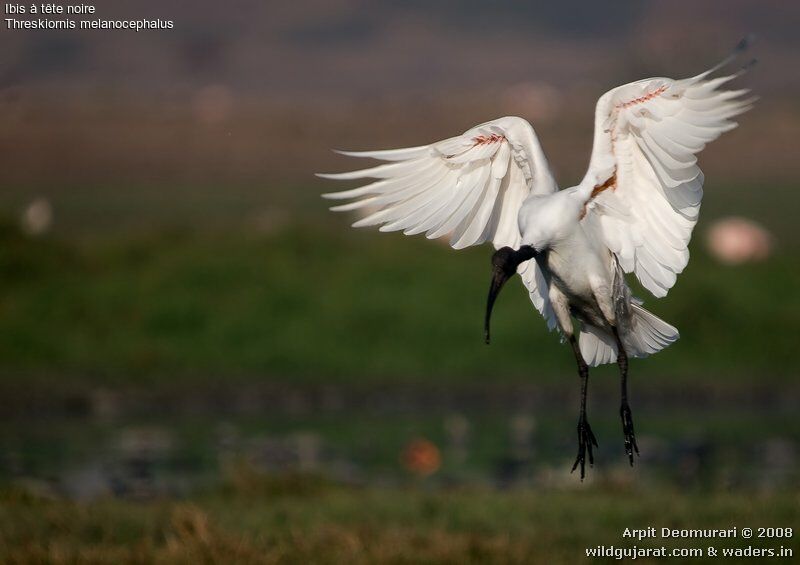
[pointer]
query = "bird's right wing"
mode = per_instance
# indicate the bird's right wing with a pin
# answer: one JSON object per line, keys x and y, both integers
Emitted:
{"x": 470, "y": 187}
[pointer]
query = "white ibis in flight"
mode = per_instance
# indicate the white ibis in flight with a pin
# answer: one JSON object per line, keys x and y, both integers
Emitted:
{"x": 633, "y": 212}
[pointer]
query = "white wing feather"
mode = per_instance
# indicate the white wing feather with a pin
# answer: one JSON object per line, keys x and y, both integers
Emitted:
{"x": 646, "y": 138}
{"x": 470, "y": 187}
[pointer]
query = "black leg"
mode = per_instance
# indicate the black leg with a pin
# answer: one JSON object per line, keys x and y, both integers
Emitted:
{"x": 586, "y": 438}
{"x": 625, "y": 409}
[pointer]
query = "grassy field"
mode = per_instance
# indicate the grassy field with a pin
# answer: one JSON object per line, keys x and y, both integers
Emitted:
{"x": 302, "y": 520}
{"x": 304, "y": 304}
{"x": 181, "y": 326}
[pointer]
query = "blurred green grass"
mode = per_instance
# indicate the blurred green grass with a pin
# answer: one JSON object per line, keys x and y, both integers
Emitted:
{"x": 302, "y": 520}
{"x": 314, "y": 302}
{"x": 132, "y": 295}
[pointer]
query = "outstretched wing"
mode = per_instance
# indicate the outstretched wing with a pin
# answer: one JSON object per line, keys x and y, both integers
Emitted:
{"x": 470, "y": 186}
{"x": 648, "y": 186}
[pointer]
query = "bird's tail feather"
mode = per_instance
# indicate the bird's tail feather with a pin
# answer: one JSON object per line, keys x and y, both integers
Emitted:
{"x": 598, "y": 346}
{"x": 647, "y": 334}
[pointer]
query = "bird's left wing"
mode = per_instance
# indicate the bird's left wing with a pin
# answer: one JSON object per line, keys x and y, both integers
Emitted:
{"x": 470, "y": 187}
{"x": 648, "y": 186}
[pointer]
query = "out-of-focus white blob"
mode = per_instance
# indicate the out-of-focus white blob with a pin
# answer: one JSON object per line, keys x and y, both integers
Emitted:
{"x": 736, "y": 240}
{"x": 212, "y": 104}
{"x": 37, "y": 218}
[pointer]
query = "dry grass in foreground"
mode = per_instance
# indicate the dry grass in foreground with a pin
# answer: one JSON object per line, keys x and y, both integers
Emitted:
{"x": 308, "y": 521}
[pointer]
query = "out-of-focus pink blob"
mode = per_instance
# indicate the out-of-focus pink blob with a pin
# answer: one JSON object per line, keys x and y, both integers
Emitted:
{"x": 738, "y": 240}
{"x": 213, "y": 104}
{"x": 539, "y": 101}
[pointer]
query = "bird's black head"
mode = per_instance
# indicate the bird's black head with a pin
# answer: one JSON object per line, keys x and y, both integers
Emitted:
{"x": 503, "y": 259}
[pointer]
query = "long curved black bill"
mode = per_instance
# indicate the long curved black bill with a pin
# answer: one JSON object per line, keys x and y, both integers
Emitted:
{"x": 498, "y": 280}
{"x": 504, "y": 262}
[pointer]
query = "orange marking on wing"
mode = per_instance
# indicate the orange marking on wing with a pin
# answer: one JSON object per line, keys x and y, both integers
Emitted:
{"x": 644, "y": 98}
{"x": 483, "y": 139}
{"x": 611, "y": 183}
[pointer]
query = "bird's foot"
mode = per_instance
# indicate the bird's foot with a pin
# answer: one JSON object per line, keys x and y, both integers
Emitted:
{"x": 586, "y": 440}
{"x": 627, "y": 430}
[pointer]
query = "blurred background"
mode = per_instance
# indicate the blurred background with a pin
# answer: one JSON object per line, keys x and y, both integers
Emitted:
{"x": 198, "y": 359}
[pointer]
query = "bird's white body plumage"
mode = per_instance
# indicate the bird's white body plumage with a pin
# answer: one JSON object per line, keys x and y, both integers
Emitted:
{"x": 633, "y": 212}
